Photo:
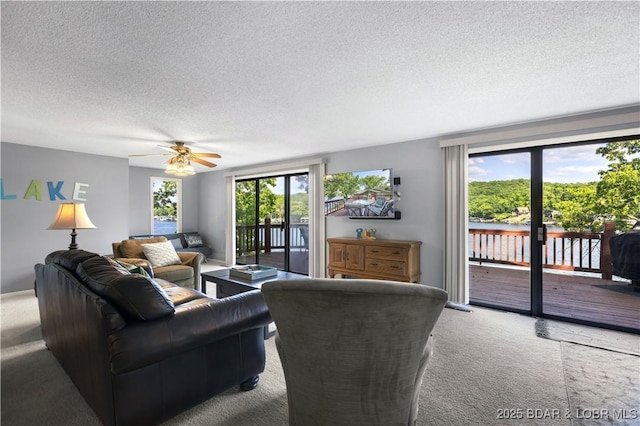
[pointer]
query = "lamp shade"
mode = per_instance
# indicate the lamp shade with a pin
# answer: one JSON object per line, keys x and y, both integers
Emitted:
{"x": 71, "y": 216}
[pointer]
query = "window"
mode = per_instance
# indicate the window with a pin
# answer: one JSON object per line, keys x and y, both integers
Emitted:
{"x": 166, "y": 202}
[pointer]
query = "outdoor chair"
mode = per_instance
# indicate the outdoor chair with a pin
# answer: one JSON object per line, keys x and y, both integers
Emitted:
{"x": 353, "y": 209}
{"x": 353, "y": 352}
{"x": 383, "y": 210}
{"x": 304, "y": 234}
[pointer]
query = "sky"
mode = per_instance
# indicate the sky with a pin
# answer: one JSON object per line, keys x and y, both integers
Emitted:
{"x": 560, "y": 165}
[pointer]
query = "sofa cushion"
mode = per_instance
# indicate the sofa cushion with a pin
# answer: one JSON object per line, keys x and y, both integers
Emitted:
{"x": 133, "y": 248}
{"x": 69, "y": 259}
{"x": 136, "y": 296}
{"x": 174, "y": 273}
{"x": 161, "y": 254}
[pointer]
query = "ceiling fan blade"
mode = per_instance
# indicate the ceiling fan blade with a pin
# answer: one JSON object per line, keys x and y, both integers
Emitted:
{"x": 145, "y": 155}
{"x": 206, "y": 155}
{"x": 168, "y": 148}
{"x": 203, "y": 162}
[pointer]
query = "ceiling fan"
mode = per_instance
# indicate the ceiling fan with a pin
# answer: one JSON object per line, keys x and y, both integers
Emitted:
{"x": 180, "y": 162}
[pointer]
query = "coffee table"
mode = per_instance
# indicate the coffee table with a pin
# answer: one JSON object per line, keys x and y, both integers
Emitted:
{"x": 228, "y": 286}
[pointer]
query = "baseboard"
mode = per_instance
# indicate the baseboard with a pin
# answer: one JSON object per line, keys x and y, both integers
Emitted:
{"x": 458, "y": 307}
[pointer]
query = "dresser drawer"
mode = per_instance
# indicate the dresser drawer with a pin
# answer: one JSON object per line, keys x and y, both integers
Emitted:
{"x": 386, "y": 266}
{"x": 391, "y": 253}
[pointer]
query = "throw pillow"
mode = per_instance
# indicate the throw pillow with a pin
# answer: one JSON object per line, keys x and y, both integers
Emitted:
{"x": 194, "y": 240}
{"x": 128, "y": 268}
{"x": 118, "y": 266}
{"x": 161, "y": 254}
{"x": 177, "y": 244}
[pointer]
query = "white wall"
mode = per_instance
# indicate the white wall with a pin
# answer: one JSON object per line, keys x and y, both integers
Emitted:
{"x": 24, "y": 238}
{"x": 417, "y": 163}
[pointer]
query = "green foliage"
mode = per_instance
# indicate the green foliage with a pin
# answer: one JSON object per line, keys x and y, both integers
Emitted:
{"x": 571, "y": 205}
{"x": 574, "y": 206}
{"x": 164, "y": 199}
{"x": 341, "y": 185}
{"x": 374, "y": 182}
{"x": 346, "y": 184}
{"x": 618, "y": 191}
{"x": 246, "y": 200}
{"x": 489, "y": 200}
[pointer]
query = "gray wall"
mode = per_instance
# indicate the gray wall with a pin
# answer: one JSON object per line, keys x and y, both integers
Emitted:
{"x": 417, "y": 163}
{"x": 213, "y": 210}
{"x": 24, "y": 238}
{"x": 118, "y": 203}
{"x": 140, "y": 200}
{"x": 419, "y": 166}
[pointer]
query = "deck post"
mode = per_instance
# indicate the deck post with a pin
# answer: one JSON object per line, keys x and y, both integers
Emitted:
{"x": 606, "y": 265}
{"x": 267, "y": 235}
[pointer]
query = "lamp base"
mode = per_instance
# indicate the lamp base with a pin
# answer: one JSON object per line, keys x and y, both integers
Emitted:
{"x": 73, "y": 245}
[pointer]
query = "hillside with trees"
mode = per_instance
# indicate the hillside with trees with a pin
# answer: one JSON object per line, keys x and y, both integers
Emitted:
{"x": 574, "y": 206}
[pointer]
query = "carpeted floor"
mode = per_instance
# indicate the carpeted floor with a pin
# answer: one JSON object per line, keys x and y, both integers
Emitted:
{"x": 488, "y": 368}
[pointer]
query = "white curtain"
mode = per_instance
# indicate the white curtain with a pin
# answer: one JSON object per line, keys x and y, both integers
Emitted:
{"x": 317, "y": 268}
{"x": 456, "y": 224}
{"x": 230, "y": 228}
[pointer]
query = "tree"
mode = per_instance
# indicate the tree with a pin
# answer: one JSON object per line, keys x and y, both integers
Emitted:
{"x": 341, "y": 185}
{"x": 374, "y": 182}
{"x": 246, "y": 200}
{"x": 618, "y": 190}
{"x": 164, "y": 198}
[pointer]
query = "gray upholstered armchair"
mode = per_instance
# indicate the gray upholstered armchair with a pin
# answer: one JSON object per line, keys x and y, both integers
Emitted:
{"x": 353, "y": 351}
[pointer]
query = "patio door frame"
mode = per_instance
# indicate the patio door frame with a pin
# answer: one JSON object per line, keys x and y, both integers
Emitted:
{"x": 536, "y": 244}
{"x": 286, "y": 214}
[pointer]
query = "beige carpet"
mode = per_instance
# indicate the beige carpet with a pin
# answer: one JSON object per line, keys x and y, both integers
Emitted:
{"x": 485, "y": 363}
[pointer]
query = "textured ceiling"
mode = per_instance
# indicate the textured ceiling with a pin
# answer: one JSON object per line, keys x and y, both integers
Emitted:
{"x": 262, "y": 81}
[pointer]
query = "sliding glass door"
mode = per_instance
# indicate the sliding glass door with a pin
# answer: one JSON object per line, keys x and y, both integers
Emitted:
{"x": 499, "y": 230}
{"x": 591, "y": 193}
{"x": 541, "y": 221}
{"x": 272, "y": 222}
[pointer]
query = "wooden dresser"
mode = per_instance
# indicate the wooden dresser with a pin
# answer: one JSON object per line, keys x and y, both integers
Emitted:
{"x": 376, "y": 259}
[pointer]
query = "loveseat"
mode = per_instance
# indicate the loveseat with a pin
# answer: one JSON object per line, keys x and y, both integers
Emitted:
{"x": 183, "y": 241}
{"x": 185, "y": 273}
{"x": 139, "y": 350}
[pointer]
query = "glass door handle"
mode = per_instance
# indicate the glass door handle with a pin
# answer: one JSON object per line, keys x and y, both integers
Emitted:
{"x": 542, "y": 234}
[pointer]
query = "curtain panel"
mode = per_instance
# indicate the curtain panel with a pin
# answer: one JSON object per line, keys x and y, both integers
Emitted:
{"x": 456, "y": 224}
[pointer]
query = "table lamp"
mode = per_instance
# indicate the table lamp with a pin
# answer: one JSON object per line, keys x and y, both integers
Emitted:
{"x": 72, "y": 216}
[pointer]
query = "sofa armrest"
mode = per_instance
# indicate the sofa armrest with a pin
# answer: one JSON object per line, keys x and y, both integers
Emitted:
{"x": 193, "y": 259}
{"x": 194, "y": 324}
{"x": 190, "y": 258}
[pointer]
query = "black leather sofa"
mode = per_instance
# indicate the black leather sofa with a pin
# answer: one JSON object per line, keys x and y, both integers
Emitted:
{"x": 140, "y": 350}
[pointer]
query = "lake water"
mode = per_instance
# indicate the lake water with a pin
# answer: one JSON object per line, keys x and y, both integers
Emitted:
{"x": 164, "y": 227}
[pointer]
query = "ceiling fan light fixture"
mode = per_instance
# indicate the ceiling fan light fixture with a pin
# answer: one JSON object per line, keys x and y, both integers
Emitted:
{"x": 171, "y": 169}
{"x": 180, "y": 166}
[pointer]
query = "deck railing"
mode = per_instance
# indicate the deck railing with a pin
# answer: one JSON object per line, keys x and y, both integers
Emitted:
{"x": 333, "y": 206}
{"x": 570, "y": 251}
{"x": 270, "y": 236}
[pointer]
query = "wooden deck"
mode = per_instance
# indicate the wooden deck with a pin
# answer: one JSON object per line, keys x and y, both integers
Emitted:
{"x": 298, "y": 260}
{"x": 570, "y": 296}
